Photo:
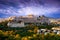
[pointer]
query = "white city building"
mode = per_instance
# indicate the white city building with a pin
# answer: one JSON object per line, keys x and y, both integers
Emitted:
{"x": 20, "y": 21}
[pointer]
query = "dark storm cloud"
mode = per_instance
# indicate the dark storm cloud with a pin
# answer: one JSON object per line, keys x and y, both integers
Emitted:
{"x": 19, "y": 2}
{"x": 8, "y": 3}
{"x": 53, "y": 3}
{"x": 16, "y": 3}
{"x": 20, "y": 7}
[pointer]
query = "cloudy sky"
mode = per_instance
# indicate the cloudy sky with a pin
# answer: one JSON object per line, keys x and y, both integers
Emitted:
{"x": 49, "y": 8}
